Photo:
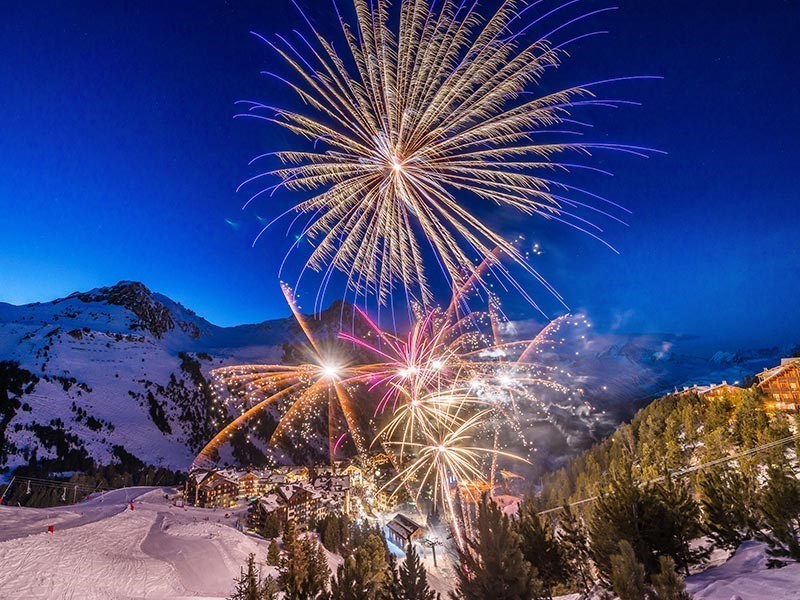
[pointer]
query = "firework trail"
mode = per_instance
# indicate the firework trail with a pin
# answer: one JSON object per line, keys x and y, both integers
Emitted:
{"x": 422, "y": 119}
{"x": 301, "y": 391}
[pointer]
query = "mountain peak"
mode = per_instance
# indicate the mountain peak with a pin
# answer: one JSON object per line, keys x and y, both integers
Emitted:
{"x": 153, "y": 315}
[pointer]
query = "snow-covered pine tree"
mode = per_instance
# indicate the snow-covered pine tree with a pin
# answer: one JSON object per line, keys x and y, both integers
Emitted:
{"x": 575, "y": 544}
{"x": 318, "y": 573}
{"x": 618, "y": 515}
{"x": 247, "y": 586}
{"x": 367, "y": 573}
{"x": 780, "y": 506}
{"x": 674, "y": 522}
{"x": 730, "y": 506}
{"x": 348, "y": 583}
{"x": 273, "y": 553}
{"x": 293, "y": 564}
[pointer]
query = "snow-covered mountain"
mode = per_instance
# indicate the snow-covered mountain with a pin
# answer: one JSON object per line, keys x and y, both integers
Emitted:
{"x": 122, "y": 369}
{"x": 119, "y": 366}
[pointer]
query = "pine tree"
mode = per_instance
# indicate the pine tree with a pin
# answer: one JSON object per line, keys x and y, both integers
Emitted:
{"x": 367, "y": 573}
{"x": 269, "y": 589}
{"x": 273, "y": 553}
{"x": 654, "y": 519}
{"x": 391, "y": 590}
{"x": 293, "y": 565}
{"x": 412, "y": 579}
{"x": 617, "y": 515}
{"x": 541, "y": 548}
{"x": 492, "y": 567}
{"x": 349, "y": 582}
{"x": 272, "y": 527}
{"x": 373, "y": 559}
{"x": 672, "y": 522}
{"x": 729, "y": 505}
{"x": 329, "y": 531}
{"x": 317, "y": 572}
{"x": 667, "y": 584}
{"x": 750, "y": 419}
{"x": 247, "y": 586}
{"x": 575, "y": 544}
{"x": 628, "y": 574}
{"x": 780, "y": 507}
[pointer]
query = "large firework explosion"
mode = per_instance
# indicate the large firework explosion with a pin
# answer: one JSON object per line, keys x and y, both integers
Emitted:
{"x": 428, "y": 114}
{"x": 444, "y": 399}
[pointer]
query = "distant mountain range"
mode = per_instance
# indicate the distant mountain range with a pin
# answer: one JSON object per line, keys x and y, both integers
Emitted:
{"x": 122, "y": 369}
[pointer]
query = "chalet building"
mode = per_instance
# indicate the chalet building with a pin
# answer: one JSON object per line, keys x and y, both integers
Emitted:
{"x": 718, "y": 390}
{"x": 335, "y": 491}
{"x": 380, "y": 459}
{"x": 249, "y": 485}
{"x": 354, "y": 473}
{"x": 302, "y": 503}
{"x": 297, "y": 475}
{"x": 207, "y": 488}
{"x": 400, "y": 530}
{"x": 194, "y": 483}
{"x": 781, "y": 384}
{"x": 265, "y": 507}
{"x": 217, "y": 491}
{"x": 386, "y": 496}
{"x": 299, "y": 500}
{"x": 302, "y": 500}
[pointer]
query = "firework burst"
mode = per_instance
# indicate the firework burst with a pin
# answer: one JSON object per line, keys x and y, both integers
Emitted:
{"x": 423, "y": 118}
{"x": 454, "y": 391}
{"x": 449, "y": 394}
{"x": 301, "y": 392}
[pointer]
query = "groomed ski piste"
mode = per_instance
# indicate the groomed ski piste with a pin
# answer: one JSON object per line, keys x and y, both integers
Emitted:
{"x": 136, "y": 543}
{"x": 104, "y": 549}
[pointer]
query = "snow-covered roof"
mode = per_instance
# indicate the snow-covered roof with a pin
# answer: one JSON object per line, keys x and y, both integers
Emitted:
{"x": 768, "y": 374}
{"x": 199, "y": 476}
{"x": 271, "y": 503}
{"x": 404, "y": 526}
{"x": 218, "y": 481}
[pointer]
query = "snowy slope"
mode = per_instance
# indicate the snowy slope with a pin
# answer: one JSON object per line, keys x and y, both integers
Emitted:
{"x": 118, "y": 366}
{"x": 745, "y": 577}
{"x": 102, "y": 550}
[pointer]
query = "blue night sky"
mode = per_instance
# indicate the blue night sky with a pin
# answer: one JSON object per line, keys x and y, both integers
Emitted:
{"x": 120, "y": 160}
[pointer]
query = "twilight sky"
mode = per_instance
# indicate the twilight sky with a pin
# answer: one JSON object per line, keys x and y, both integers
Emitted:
{"x": 120, "y": 160}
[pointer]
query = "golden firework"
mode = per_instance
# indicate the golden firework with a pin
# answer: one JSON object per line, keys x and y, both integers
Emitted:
{"x": 421, "y": 120}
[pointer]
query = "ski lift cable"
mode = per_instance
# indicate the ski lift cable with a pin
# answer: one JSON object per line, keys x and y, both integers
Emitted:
{"x": 57, "y": 483}
{"x": 688, "y": 470}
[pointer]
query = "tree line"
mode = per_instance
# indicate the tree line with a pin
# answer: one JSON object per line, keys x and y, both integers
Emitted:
{"x": 369, "y": 571}
{"x": 646, "y": 527}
